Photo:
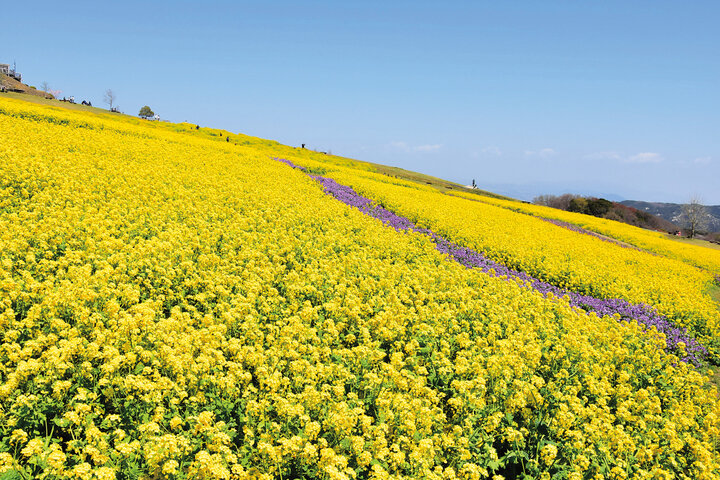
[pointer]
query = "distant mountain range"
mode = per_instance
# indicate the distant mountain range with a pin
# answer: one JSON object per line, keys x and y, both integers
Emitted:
{"x": 672, "y": 212}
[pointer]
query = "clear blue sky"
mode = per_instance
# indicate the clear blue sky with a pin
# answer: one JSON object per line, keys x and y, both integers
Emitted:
{"x": 610, "y": 97}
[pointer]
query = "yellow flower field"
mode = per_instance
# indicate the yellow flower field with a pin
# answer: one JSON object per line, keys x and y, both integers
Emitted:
{"x": 706, "y": 258}
{"x": 175, "y": 306}
{"x": 557, "y": 255}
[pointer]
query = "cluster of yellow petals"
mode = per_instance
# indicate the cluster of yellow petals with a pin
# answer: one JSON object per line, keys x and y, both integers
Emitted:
{"x": 674, "y": 278}
{"x": 652, "y": 241}
{"x": 175, "y": 305}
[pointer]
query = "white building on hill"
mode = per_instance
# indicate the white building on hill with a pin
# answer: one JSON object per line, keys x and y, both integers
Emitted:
{"x": 6, "y": 70}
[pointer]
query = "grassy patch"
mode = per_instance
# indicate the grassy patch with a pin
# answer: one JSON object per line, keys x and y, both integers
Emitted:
{"x": 439, "y": 183}
{"x": 316, "y": 170}
{"x": 52, "y": 102}
{"x": 715, "y": 294}
{"x": 714, "y": 376}
{"x": 693, "y": 241}
{"x": 444, "y": 186}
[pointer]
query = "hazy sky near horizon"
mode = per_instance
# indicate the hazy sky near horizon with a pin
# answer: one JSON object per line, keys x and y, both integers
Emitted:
{"x": 526, "y": 97}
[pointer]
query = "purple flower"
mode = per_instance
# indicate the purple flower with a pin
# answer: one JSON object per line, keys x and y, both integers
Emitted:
{"x": 288, "y": 162}
{"x": 643, "y": 314}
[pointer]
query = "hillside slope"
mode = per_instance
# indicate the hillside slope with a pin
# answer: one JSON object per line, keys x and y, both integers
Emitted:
{"x": 673, "y": 212}
{"x": 603, "y": 208}
{"x": 12, "y": 85}
{"x": 177, "y": 305}
{"x": 639, "y": 218}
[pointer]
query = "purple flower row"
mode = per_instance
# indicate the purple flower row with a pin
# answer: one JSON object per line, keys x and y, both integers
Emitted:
{"x": 643, "y": 314}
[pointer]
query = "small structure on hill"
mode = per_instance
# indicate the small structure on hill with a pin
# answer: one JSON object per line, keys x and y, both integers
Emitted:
{"x": 5, "y": 69}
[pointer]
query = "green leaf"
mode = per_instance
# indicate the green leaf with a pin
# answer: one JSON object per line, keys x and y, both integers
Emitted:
{"x": 12, "y": 475}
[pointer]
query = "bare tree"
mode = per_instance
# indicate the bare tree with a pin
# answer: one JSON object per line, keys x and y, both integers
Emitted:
{"x": 541, "y": 199}
{"x": 110, "y": 98}
{"x": 44, "y": 86}
{"x": 695, "y": 215}
{"x": 561, "y": 202}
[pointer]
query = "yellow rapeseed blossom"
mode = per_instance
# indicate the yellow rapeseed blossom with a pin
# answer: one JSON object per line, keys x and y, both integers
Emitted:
{"x": 175, "y": 305}
{"x": 515, "y": 234}
{"x": 655, "y": 242}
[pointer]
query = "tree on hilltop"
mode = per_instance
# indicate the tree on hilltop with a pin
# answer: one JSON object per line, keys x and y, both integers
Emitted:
{"x": 695, "y": 215}
{"x": 110, "y": 98}
{"x": 146, "y": 112}
{"x": 561, "y": 202}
